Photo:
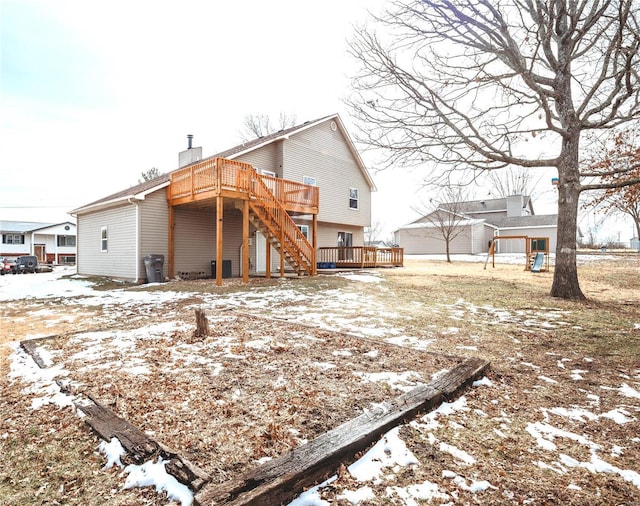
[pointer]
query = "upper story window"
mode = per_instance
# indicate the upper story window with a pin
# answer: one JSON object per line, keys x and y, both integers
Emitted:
{"x": 305, "y": 231}
{"x": 66, "y": 240}
{"x": 104, "y": 236}
{"x": 12, "y": 239}
{"x": 353, "y": 198}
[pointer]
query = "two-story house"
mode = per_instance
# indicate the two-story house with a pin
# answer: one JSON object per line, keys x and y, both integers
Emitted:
{"x": 53, "y": 243}
{"x": 262, "y": 206}
{"x": 479, "y": 222}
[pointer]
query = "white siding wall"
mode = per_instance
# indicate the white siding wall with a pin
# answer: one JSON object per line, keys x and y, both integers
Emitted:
{"x": 119, "y": 261}
{"x": 154, "y": 230}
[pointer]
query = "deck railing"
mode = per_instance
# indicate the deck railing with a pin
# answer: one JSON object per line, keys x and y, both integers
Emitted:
{"x": 222, "y": 174}
{"x": 360, "y": 256}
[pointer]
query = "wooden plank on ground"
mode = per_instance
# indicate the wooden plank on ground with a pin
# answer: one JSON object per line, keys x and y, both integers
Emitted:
{"x": 108, "y": 425}
{"x": 282, "y": 479}
{"x": 138, "y": 445}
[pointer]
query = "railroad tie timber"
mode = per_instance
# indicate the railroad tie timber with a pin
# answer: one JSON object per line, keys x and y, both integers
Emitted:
{"x": 282, "y": 479}
{"x": 108, "y": 425}
{"x": 138, "y": 445}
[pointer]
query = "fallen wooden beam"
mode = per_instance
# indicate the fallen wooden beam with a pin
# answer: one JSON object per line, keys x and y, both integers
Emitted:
{"x": 138, "y": 445}
{"x": 281, "y": 480}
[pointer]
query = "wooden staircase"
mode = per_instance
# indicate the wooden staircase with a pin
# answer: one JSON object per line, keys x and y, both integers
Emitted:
{"x": 269, "y": 216}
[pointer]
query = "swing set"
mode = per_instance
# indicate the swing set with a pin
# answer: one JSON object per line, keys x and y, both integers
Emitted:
{"x": 536, "y": 252}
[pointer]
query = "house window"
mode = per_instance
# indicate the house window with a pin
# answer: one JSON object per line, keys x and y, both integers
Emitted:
{"x": 67, "y": 240}
{"x": 12, "y": 239}
{"x": 103, "y": 239}
{"x": 345, "y": 241}
{"x": 311, "y": 181}
{"x": 353, "y": 198}
{"x": 305, "y": 231}
{"x": 67, "y": 259}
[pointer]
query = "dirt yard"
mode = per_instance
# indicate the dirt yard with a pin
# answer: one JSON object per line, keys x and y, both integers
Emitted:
{"x": 555, "y": 422}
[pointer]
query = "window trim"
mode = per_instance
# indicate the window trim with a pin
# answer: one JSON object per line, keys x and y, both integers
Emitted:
{"x": 353, "y": 199}
{"x": 66, "y": 241}
{"x": 304, "y": 229}
{"x": 104, "y": 239}
{"x": 11, "y": 238}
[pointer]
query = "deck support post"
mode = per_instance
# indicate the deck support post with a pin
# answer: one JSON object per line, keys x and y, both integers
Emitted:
{"x": 245, "y": 241}
{"x": 219, "y": 217}
{"x": 172, "y": 225}
{"x": 314, "y": 243}
{"x": 281, "y": 253}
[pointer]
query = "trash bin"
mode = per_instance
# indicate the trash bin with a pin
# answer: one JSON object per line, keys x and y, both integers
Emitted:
{"x": 226, "y": 268}
{"x": 153, "y": 265}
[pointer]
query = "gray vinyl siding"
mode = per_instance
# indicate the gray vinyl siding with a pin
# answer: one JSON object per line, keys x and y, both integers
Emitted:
{"x": 322, "y": 153}
{"x": 195, "y": 240}
{"x": 328, "y": 234}
{"x": 154, "y": 232}
{"x": 264, "y": 158}
{"x": 429, "y": 241}
{"x": 119, "y": 260}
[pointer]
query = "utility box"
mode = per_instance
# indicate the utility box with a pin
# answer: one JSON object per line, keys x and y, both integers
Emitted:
{"x": 226, "y": 268}
{"x": 153, "y": 265}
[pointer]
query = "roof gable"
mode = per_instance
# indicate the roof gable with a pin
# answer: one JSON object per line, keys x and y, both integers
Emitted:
{"x": 142, "y": 189}
{"x": 23, "y": 227}
{"x": 284, "y": 134}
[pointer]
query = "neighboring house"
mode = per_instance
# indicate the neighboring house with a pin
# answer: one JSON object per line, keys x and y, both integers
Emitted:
{"x": 297, "y": 190}
{"x": 53, "y": 243}
{"x": 479, "y": 222}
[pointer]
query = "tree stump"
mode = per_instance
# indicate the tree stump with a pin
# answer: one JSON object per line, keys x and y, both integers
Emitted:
{"x": 202, "y": 324}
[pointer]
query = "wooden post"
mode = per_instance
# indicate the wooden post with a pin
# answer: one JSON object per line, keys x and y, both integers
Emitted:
{"x": 202, "y": 324}
{"x": 219, "y": 227}
{"x": 245, "y": 241}
{"x": 314, "y": 239}
{"x": 281, "y": 250}
{"x": 171, "y": 259}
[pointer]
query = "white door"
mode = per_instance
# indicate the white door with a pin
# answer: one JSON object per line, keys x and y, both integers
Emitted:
{"x": 261, "y": 251}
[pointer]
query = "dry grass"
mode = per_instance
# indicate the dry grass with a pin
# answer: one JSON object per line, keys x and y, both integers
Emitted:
{"x": 502, "y": 314}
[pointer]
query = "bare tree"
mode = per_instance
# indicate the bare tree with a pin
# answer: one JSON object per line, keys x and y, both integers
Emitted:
{"x": 148, "y": 175}
{"x": 477, "y": 85}
{"x": 372, "y": 233}
{"x": 259, "y": 125}
{"x": 513, "y": 181}
{"x": 447, "y": 215}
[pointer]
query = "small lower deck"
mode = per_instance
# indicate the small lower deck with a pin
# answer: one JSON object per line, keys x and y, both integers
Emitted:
{"x": 359, "y": 257}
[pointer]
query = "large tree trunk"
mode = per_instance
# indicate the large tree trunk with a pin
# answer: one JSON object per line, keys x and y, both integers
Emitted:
{"x": 565, "y": 276}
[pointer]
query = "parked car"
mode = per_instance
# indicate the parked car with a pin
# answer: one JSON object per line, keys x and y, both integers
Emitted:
{"x": 24, "y": 264}
{"x": 6, "y": 265}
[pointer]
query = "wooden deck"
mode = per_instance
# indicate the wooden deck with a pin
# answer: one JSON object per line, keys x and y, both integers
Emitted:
{"x": 229, "y": 178}
{"x": 360, "y": 257}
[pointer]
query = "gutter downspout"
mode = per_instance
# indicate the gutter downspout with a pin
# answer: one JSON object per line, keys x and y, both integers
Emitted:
{"x": 134, "y": 202}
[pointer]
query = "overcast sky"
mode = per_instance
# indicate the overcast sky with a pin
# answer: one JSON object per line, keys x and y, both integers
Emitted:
{"x": 93, "y": 93}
